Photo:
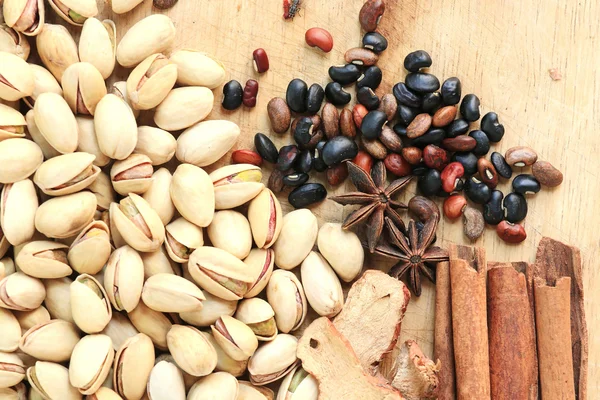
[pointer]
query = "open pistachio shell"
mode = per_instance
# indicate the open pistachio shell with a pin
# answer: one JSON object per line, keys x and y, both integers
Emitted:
{"x": 91, "y": 249}
{"x": 13, "y": 41}
{"x": 16, "y": 77}
{"x": 97, "y": 45}
{"x": 123, "y": 6}
{"x": 195, "y": 68}
{"x": 171, "y": 293}
{"x": 192, "y": 194}
{"x": 44, "y": 259}
{"x": 12, "y": 369}
{"x": 296, "y": 239}
{"x": 298, "y": 385}
{"x": 153, "y": 34}
{"x": 184, "y": 107}
{"x": 273, "y": 359}
{"x": 47, "y": 150}
{"x": 116, "y": 128}
{"x": 50, "y": 341}
{"x": 56, "y": 49}
{"x": 212, "y": 308}
{"x": 157, "y": 144}
{"x": 221, "y": 385}
{"x": 58, "y": 298}
{"x": 119, "y": 89}
{"x": 266, "y": 218}
{"x": 152, "y": 323}
{"x": 166, "y": 382}
{"x": 260, "y": 264}
{"x": 65, "y": 216}
{"x": 132, "y": 175}
{"x": 89, "y": 304}
{"x": 51, "y": 381}
{"x": 56, "y": 122}
{"x": 21, "y": 292}
{"x": 321, "y": 285}
{"x": 206, "y": 142}
{"x": 234, "y": 337}
{"x": 151, "y": 81}
{"x": 191, "y": 350}
{"x": 12, "y": 123}
{"x": 236, "y": 184}
{"x": 182, "y": 238}
{"x": 66, "y": 174}
{"x": 124, "y": 278}
{"x": 28, "y": 319}
{"x": 286, "y": 295}
{"x": 44, "y": 82}
{"x": 19, "y": 159}
{"x": 90, "y": 363}
{"x": 103, "y": 190}
{"x": 83, "y": 87}
{"x": 88, "y": 143}
{"x": 120, "y": 329}
{"x": 159, "y": 197}
{"x": 250, "y": 392}
{"x": 132, "y": 367}
{"x": 259, "y": 316}
{"x": 75, "y": 12}
{"x": 25, "y": 16}
{"x": 157, "y": 262}
{"x": 11, "y": 332}
{"x": 139, "y": 225}
{"x": 18, "y": 206}
{"x": 230, "y": 231}
{"x": 224, "y": 362}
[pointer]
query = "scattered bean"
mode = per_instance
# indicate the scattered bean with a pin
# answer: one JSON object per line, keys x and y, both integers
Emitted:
{"x": 432, "y": 136}
{"x": 287, "y": 157}
{"x": 338, "y": 150}
{"x": 266, "y": 148}
{"x": 303, "y": 130}
{"x": 520, "y": 156}
{"x": 370, "y": 14}
{"x": 413, "y": 155}
{"x": 547, "y": 174}
{"x": 390, "y": 139}
{"x": 469, "y": 108}
{"x": 431, "y": 102}
{"x": 515, "y": 207}
{"x": 347, "y": 126}
{"x": 232, "y": 95}
{"x": 358, "y": 114}
{"x": 459, "y": 143}
{"x": 314, "y": 98}
{"x": 405, "y": 96}
{"x": 335, "y": 94}
{"x": 444, "y": 116}
{"x": 435, "y": 157}
{"x": 487, "y": 172}
{"x": 307, "y": 194}
{"x": 250, "y": 93}
{"x": 374, "y": 41}
{"x": 473, "y": 223}
{"x": 502, "y": 167}
{"x": 370, "y": 78}
{"x": 511, "y": 233}
{"x": 526, "y": 184}
{"x": 337, "y": 174}
{"x": 493, "y": 212}
{"x": 477, "y": 191}
{"x": 419, "y": 125}
{"x": 295, "y": 95}
{"x": 164, "y": 4}
{"x": 457, "y": 127}
{"x": 397, "y": 165}
{"x": 316, "y": 121}
{"x": 331, "y": 120}
{"x": 422, "y": 82}
{"x": 344, "y": 74}
{"x": 279, "y": 114}
{"x": 304, "y": 162}
{"x": 276, "y": 181}
{"x": 319, "y": 37}
{"x": 454, "y": 206}
{"x": 419, "y": 170}
{"x": 389, "y": 106}
{"x": 372, "y": 124}
{"x": 246, "y": 157}
{"x": 492, "y": 127}
{"x": 423, "y": 208}
{"x": 451, "y": 91}
{"x": 451, "y": 175}
{"x": 468, "y": 160}
{"x": 361, "y": 56}
{"x": 367, "y": 97}
{"x": 295, "y": 179}
{"x": 407, "y": 114}
{"x": 400, "y": 129}
{"x": 374, "y": 147}
{"x": 416, "y": 60}
{"x": 318, "y": 163}
{"x": 261, "y": 60}
{"x": 482, "y": 143}
{"x": 430, "y": 183}
{"x": 364, "y": 161}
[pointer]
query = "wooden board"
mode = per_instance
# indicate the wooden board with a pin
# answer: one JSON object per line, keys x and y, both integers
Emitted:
{"x": 501, "y": 50}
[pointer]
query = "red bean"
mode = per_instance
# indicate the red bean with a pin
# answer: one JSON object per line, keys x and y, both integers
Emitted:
{"x": 250, "y": 93}
{"x": 261, "y": 60}
{"x": 319, "y": 37}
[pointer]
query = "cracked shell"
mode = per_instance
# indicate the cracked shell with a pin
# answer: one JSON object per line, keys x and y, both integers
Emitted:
{"x": 44, "y": 259}
{"x": 97, "y": 45}
{"x": 221, "y": 385}
{"x": 153, "y": 34}
{"x": 56, "y": 122}
{"x": 47, "y": 150}
{"x": 133, "y": 363}
{"x": 12, "y": 123}
{"x": 132, "y": 175}
{"x": 75, "y": 12}
{"x": 151, "y": 81}
{"x": 206, "y": 142}
{"x": 139, "y": 225}
{"x": 90, "y": 304}
{"x": 116, "y": 128}
{"x": 103, "y": 190}
{"x": 182, "y": 238}
{"x": 248, "y": 391}
{"x": 50, "y": 341}
{"x": 236, "y": 184}
{"x": 18, "y": 206}
{"x": 171, "y": 293}
{"x": 12, "y": 369}
{"x": 212, "y": 308}
{"x": 66, "y": 174}
{"x": 65, "y": 216}
{"x": 119, "y": 89}
{"x": 28, "y": 319}
{"x": 259, "y": 316}
{"x": 56, "y": 49}
{"x": 91, "y": 249}
{"x": 16, "y": 77}
{"x": 260, "y": 264}
{"x": 124, "y": 278}
{"x": 286, "y": 296}
{"x": 273, "y": 360}
{"x": 195, "y": 68}
{"x": 224, "y": 362}
{"x": 192, "y": 194}
{"x": 83, "y": 87}
{"x": 19, "y": 158}
{"x": 296, "y": 239}
{"x": 230, "y": 231}
{"x": 235, "y": 338}
{"x": 44, "y": 82}
{"x": 183, "y": 107}
{"x": 298, "y": 384}
{"x": 51, "y": 381}
{"x": 25, "y": 16}
{"x": 21, "y": 292}
{"x": 14, "y": 42}
{"x": 266, "y": 218}
{"x": 191, "y": 350}
{"x": 90, "y": 363}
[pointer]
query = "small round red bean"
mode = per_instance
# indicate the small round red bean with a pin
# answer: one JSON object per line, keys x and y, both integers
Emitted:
{"x": 261, "y": 60}
{"x": 250, "y": 93}
{"x": 319, "y": 37}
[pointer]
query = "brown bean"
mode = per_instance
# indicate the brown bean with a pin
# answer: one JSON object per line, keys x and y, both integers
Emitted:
{"x": 435, "y": 157}
{"x": 358, "y": 113}
{"x": 347, "y": 126}
{"x": 454, "y": 206}
{"x": 370, "y": 14}
{"x": 397, "y": 165}
{"x": 337, "y": 174}
{"x": 361, "y": 56}
{"x": 520, "y": 156}
{"x": 413, "y": 155}
{"x": 459, "y": 143}
{"x": 473, "y": 223}
{"x": 250, "y": 93}
{"x": 164, "y": 4}
{"x": 279, "y": 114}
{"x": 374, "y": 147}
{"x": 246, "y": 157}
{"x": 317, "y": 136}
{"x": 487, "y": 172}
{"x": 390, "y": 139}
{"x": 419, "y": 126}
{"x": 547, "y": 174}
{"x": 444, "y": 116}
{"x": 511, "y": 233}
{"x": 388, "y": 105}
{"x": 423, "y": 208}
{"x": 261, "y": 60}
{"x": 364, "y": 161}
{"x": 331, "y": 120}
{"x": 276, "y": 180}
{"x": 319, "y": 37}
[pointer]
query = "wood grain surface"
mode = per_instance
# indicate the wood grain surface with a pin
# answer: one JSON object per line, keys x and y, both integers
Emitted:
{"x": 501, "y": 50}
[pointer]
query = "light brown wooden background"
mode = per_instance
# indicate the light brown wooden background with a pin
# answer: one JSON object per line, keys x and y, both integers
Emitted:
{"x": 501, "y": 50}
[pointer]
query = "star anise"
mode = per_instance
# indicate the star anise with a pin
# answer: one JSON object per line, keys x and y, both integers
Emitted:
{"x": 375, "y": 199}
{"x": 414, "y": 253}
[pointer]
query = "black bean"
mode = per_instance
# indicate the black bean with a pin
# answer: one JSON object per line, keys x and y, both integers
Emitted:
{"x": 373, "y": 123}
{"x": 367, "y": 97}
{"x": 422, "y": 82}
{"x": 432, "y": 136}
{"x": 304, "y": 162}
{"x": 420, "y": 170}
{"x": 459, "y": 185}
{"x": 303, "y": 131}
{"x": 266, "y": 148}
{"x": 526, "y": 184}
{"x": 502, "y": 167}
{"x": 336, "y": 95}
{"x": 406, "y": 114}
{"x": 318, "y": 163}
{"x": 457, "y": 127}
{"x": 295, "y": 95}
{"x": 374, "y": 41}
{"x": 232, "y": 95}
{"x": 314, "y": 98}
{"x": 431, "y": 102}
{"x": 416, "y": 60}
{"x": 295, "y": 179}
{"x": 493, "y": 213}
{"x": 339, "y": 149}
{"x": 370, "y": 78}
{"x": 287, "y": 157}
{"x": 400, "y": 129}
{"x": 405, "y": 96}
{"x": 468, "y": 161}
{"x": 492, "y": 127}
{"x": 307, "y": 194}
{"x": 451, "y": 91}
{"x": 469, "y": 108}
{"x": 482, "y": 143}
{"x": 477, "y": 191}
{"x": 430, "y": 183}
{"x": 515, "y": 207}
{"x": 344, "y": 74}
{"x": 442, "y": 194}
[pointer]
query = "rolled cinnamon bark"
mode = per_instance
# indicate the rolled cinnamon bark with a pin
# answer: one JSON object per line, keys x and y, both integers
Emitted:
{"x": 552, "y": 318}
{"x": 444, "y": 347}
{"x": 513, "y": 360}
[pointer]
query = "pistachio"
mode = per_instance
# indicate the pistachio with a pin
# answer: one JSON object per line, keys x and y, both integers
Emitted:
{"x": 221, "y": 385}
{"x": 66, "y": 174}
{"x": 234, "y": 337}
{"x": 182, "y": 238}
{"x": 21, "y": 292}
{"x": 166, "y": 382}
{"x": 155, "y": 143}
{"x": 12, "y": 370}
{"x": 192, "y": 194}
{"x": 16, "y": 77}
{"x": 7, "y": 266}
{"x": 104, "y": 393}
{"x": 273, "y": 360}
{"x": 13, "y": 41}
{"x": 296, "y": 239}
{"x": 56, "y": 122}
{"x": 27, "y": 319}
{"x": 47, "y": 150}
{"x": 212, "y": 308}
{"x": 322, "y": 286}
{"x": 206, "y": 142}
{"x": 116, "y": 128}
{"x": 50, "y": 341}
{"x": 58, "y": 298}
{"x": 342, "y": 249}
{"x": 12, "y": 123}
{"x": 260, "y": 265}
{"x": 51, "y": 381}
{"x": 133, "y": 363}
{"x": 120, "y": 330}
{"x": 65, "y": 216}
{"x": 138, "y": 223}
{"x": 90, "y": 363}
{"x": 151, "y": 81}
{"x": 132, "y": 175}
{"x": 152, "y": 323}
{"x": 97, "y": 45}
{"x": 230, "y": 231}
{"x": 184, "y": 107}
{"x": 259, "y": 316}
{"x": 18, "y": 206}
{"x": 250, "y": 392}
{"x": 19, "y": 159}
{"x": 123, "y": 6}
{"x": 286, "y": 296}
{"x": 56, "y": 49}
{"x": 83, "y": 87}
{"x": 119, "y": 89}
{"x": 89, "y": 304}
{"x": 44, "y": 82}
{"x": 219, "y": 273}
{"x": 266, "y": 218}
{"x": 298, "y": 384}
{"x": 195, "y": 68}
{"x": 75, "y": 12}
{"x": 153, "y": 34}
{"x": 44, "y": 259}
{"x": 191, "y": 350}
{"x": 124, "y": 278}
{"x": 116, "y": 238}
{"x": 90, "y": 251}
{"x": 171, "y": 293}
{"x": 11, "y": 332}
{"x": 236, "y": 184}
{"x": 159, "y": 197}
{"x": 25, "y": 16}
{"x": 158, "y": 262}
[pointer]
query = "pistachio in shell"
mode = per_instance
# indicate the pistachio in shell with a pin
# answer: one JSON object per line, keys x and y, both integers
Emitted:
{"x": 298, "y": 384}
{"x": 18, "y": 206}
{"x": 183, "y": 107}
{"x": 90, "y": 304}
{"x": 192, "y": 194}
{"x": 221, "y": 385}
{"x": 19, "y": 159}
{"x": 97, "y": 45}
{"x": 266, "y": 218}
{"x": 12, "y": 369}
{"x": 159, "y": 197}
{"x": 58, "y": 298}
{"x": 342, "y": 249}
{"x": 66, "y": 174}
{"x": 51, "y": 381}
{"x": 90, "y": 363}
{"x": 123, "y": 6}
{"x": 116, "y": 129}
{"x": 56, "y": 49}
{"x": 21, "y": 292}
{"x": 151, "y": 81}
{"x": 182, "y": 238}
{"x": 191, "y": 350}
{"x": 248, "y": 391}
{"x": 50, "y": 341}
{"x": 297, "y": 237}
{"x": 166, "y": 382}
{"x": 12, "y": 123}
{"x": 212, "y": 308}
{"x": 132, "y": 175}
{"x": 119, "y": 89}
{"x": 124, "y": 278}
{"x": 65, "y": 216}
{"x": 44, "y": 82}
{"x": 224, "y": 362}
{"x": 158, "y": 262}
{"x": 83, "y": 87}
{"x": 16, "y": 77}
{"x": 56, "y": 122}
{"x": 260, "y": 264}
{"x": 11, "y": 332}
{"x": 4, "y": 246}
{"x": 152, "y": 323}
{"x": 195, "y": 68}
{"x": 133, "y": 363}
{"x": 104, "y": 393}
{"x": 25, "y": 16}
{"x": 171, "y": 293}
{"x": 44, "y": 259}
{"x": 139, "y": 225}
{"x": 157, "y": 144}
{"x": 273, "y": 360}
{"x": 90, "y": 251}
{"x": 27, "y": 319}
{"x": 88, "y": 143}
{"x": 47, "y": 150}
{"x": 236, "y": 184}
{"x": 13, "y": 41}
{"x": 206, "y": 142}
{"x": 75, "y": 12}
{"x": 234, "y": 337}
{"x": 153, "y": 34}
{"x": 286, "y": 296}
{"x": 120, "y": 329}
{"x": 321, "y": 285}
{"x": 230, "y": 231}
{"x": 259, "y": 316}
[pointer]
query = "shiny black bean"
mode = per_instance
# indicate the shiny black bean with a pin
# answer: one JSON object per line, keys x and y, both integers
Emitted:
{"x": 307, "y": 194}
{"x": 477, "y": 191}
{"x": 318, "y": 163}
{"x": 468, "y": 161}
{"x": 295, "y": 95}
{"x": 400, "y": 129}
{"x": 339, "y": 149}
{"x": 287, "y": 157}
{"x": 420, "y": 170}
{"x": 432, "y": 136}
{"x": 405, "y": 96}
{"x": 344, "y": 74}
{"x": 314, "y": 98}
{"x": 457, "y": 127}
{"x": 526, "y": 184}
{"x": 422, "y": 82}
{"x": 430, "y": 183}
{"x": 304, "y": 162}
{"x": 502, "y": 167}
{"x": 295, "y": 179}
{"x": 451, "y": 91}
{"x": 373, "y": 123}
{"x": 459, "y": 185}
{"x": 515, "y": 207}
{"x": 266, "y": 148}
{"x": 374, "y": 41}
{"x": 493, "y": 213}
{"x": 406, "y": 114}
{"x": 303, "y": 131}
{"x": 416, "y": 60}
{"x": 482, "y": 145}
{"x": 469, "y": 108}
{"x": 370, "y": 78}
{"x": 492, "y": 127}
{"x": 232, "y": 95}
{"x": 336, "y": 95}
{"x": 431, "y": 102}
{"x": 367, "y": 97}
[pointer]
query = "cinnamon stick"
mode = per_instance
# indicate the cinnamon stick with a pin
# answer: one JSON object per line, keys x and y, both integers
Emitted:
{"x": 552, "y": 313}
{"x": 513, "y": 359}
{"x": 444, "y": 348}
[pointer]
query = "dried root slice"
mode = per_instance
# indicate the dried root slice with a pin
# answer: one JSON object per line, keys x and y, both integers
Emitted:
{"x": 417, "y": 375}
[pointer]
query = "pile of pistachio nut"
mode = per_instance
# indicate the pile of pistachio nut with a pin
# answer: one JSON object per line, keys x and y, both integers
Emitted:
{"x": 122, "y": 279}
